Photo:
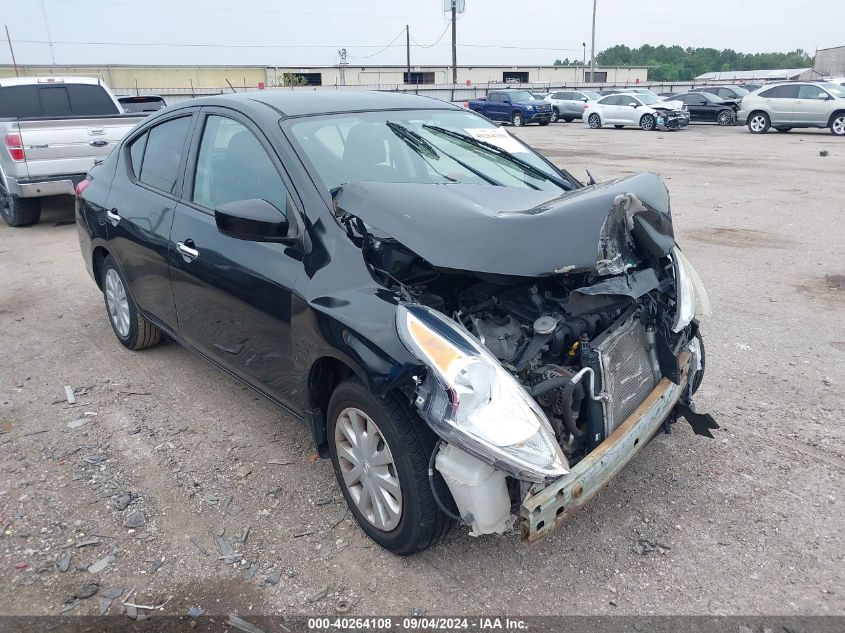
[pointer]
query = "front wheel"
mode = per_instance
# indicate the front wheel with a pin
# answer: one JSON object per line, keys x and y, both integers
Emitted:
{"x": 837, "y": 125}
{"x": 131, "y": 328}
{"x": 555, "y": 115}
{"x": 380, "y": 451}
{"x": 725, "y": 117}
{"x": 647, "y": 122}
{"x": 19, "y": 211}
{"x": 517, "y": 120}
{"x": 594, "y": 121}
{"x": 759, "y": 123}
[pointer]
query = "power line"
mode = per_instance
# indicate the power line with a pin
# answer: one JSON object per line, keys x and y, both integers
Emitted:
{"x": 381, "y": 50}
{"x": 418, "y": 45}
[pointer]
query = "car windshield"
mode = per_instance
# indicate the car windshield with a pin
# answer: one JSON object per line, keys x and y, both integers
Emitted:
{"x": 520, "y": 95}
{"x": 648, "y": 99}
{"x": 835, "y": 89}
{"x": 419, "y": 146}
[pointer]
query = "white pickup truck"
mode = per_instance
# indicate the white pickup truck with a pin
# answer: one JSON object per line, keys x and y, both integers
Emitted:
{"x": 53, "y": 130}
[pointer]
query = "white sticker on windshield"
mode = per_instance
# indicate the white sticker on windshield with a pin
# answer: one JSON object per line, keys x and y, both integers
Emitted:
{"x": 498, "y": 137}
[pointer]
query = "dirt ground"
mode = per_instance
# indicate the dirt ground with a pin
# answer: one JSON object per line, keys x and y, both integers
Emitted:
{"x": 749, "y": 523}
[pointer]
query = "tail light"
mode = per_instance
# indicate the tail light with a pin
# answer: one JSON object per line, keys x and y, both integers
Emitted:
{"x": 82, "y": 186}
{"x": 586, "y": 105}
{"x": 14, "y": 146}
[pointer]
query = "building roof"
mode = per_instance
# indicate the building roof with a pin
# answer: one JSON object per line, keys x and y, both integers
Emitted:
{"x": 747, "y": 75}
{"x": 298, "y": 103}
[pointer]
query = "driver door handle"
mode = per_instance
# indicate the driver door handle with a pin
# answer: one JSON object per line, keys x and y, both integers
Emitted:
{"x": 187, "y": 251}
{"x": 113, "y": 216}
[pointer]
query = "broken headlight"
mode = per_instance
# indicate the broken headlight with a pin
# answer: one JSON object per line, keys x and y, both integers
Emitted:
{"x": 476, "y": 404}
{"x": 691, "y": 297}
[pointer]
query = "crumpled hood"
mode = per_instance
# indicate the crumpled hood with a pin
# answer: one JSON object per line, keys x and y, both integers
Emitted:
{"x": 512, "y": 231}
{"x": 669, "y": 105}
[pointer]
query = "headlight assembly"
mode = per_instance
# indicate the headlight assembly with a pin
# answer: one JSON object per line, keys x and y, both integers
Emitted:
{"x": 691, "y": 297}
{"x": 474, "y": 403}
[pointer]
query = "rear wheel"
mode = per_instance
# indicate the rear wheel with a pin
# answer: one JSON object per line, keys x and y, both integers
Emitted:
{"x": 725, "y": 117}
{"x": 759, "y": 123}
{"x": 594, "y": 121}
{"x": 837, "y": 124}
{"x": 517, "y": 120}
{"x": 19, "y": 211}
{"x": 380, "y": 451}
{"x": 647, "y": 122}
{"x": 131, "y": 328}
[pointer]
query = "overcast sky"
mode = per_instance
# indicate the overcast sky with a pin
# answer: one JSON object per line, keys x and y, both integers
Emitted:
{"x": 287, "y": 33}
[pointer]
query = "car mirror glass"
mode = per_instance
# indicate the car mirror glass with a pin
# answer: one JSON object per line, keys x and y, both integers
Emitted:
{"x": 255, "y": 220}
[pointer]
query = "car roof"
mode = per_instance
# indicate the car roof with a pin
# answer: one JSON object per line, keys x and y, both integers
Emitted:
{"x": 51, "y": 80}
{"x": 306, "y": 102}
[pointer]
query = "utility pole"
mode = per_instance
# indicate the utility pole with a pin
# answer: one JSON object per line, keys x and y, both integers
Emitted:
{"x": 584, "y": 64}
{"x": 593, "y": 48}
{"x": 408, "y": 52}
{"x": 49, "y": 37}
{"x": 454, "y": 43}
{"x": 342, "y": 67}
{"x": 11, "y": 50}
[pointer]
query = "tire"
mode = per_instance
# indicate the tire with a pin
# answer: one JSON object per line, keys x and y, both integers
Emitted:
{"x": 837, "y": 124}
{"x": 568, "y": 119}
{"x": 517, "y": 119}
{"x": 759, "y": 122}
{"x": 17, "y": 211}
{"x": 783, "y": 129}
{"x": 408, "y": 443}
{"x": 594, "y": 121}
{"x": 130, "y": 327}
{"x": 618, "y": 127}
{"x": 647, "y": 122}
{"x": 725, "y": 117}
{"x": 555, "y": 115}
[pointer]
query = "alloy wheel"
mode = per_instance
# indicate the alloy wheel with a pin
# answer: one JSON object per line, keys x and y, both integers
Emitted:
{"x": 838, "y": 125}
{"x": 647, "y": 123}
{"x": 117, "y": 302}
{"x": 594, "y": 121}
{"x": 725, "y": 118}
{"x": 757, "y": 123}
{"x": 368, "y": 469}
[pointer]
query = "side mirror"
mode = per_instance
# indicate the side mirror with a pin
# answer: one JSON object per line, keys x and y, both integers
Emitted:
{"x": 254, "y": 220}
{"x": 584, "y": 99}
{"x": 634, "y": 104}
{"x": 823, "y": 97}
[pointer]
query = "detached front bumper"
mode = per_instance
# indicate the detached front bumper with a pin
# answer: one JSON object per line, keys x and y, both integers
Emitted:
{"x": 545, "y": 509}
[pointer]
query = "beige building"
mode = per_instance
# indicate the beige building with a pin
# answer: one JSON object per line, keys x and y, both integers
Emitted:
{"x": 205, "y": 79}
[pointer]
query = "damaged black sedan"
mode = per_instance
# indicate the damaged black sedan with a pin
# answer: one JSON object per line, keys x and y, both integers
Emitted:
{"x": 472, "y": 335}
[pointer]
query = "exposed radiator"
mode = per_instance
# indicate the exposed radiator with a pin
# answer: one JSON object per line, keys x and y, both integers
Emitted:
{"x": 625, "y": 372}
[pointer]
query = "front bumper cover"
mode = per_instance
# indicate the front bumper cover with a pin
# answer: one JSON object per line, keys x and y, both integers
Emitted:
{"x": 543, "y": 510}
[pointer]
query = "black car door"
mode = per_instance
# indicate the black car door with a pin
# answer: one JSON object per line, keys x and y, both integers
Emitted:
{"x": 698, "y": 106}
{"x": 140, "y": 209}
{"x": 233, "y": 296}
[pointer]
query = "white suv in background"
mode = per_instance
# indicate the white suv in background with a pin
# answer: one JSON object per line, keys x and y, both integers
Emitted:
{"x": 786, "y": 105}
{"x": 569, "y": 104}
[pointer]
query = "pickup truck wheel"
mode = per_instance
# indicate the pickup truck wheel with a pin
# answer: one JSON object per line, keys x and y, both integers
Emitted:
{"x": 130, "y": 327}
{"x": 594, "y": 121}
{"x": 19, "y": 211}
{"x": 380, "y": 451}
{"x": 759, "y": 123}
{"x": 555, "y": 115}
{"x": 517, "y": 120}
{"x": 837, "y": 124}
{"x": 647, "y": 122}
{"x": 725, "y": 117}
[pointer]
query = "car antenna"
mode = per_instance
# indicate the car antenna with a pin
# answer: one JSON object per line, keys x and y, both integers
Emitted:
{"x": 591, "y": 180}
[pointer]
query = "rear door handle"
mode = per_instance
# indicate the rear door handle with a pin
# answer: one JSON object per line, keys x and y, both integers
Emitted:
{"x": 113, "y": 216}
{"x": 186, "y": 251}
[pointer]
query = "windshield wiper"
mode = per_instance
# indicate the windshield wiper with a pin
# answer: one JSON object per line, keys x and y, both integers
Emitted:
{"x": 419, "y": 144}
{"x": 499, "y": 151}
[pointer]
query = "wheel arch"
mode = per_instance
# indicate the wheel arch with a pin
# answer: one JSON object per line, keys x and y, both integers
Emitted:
{"x": 98, "y": 257}
{"x": 834, "y": 114}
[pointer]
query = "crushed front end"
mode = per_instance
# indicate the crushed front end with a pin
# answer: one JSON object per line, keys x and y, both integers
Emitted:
{"x": 667, "y": 119}
{"x": 542, "y": 388}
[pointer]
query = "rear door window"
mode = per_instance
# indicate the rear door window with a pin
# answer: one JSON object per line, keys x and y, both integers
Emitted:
{"x": 785, "y": 92}
{"x": 162, "y": 155}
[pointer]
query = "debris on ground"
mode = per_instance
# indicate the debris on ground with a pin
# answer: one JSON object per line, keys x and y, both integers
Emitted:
{"x": 87, "y": 590}
{"x": 318, "y": 595}
{"x": 71, "y": 399}
{"x": 644, "y": 547}
{"x": 135, "y": 520}
{"x": 100, "y": 565}
{"x": 243, "y": 625}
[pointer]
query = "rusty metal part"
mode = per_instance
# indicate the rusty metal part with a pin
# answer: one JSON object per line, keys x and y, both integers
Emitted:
{"x": 544, "y": 510}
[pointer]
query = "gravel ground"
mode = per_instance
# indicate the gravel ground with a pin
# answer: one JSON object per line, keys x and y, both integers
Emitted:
{"x": 748, "y": 523}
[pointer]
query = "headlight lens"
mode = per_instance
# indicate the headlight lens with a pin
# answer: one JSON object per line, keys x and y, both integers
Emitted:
{"x": 684, "y": 291}
{"x": 477, "y": 404}
{"x": 529, "y": 107}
